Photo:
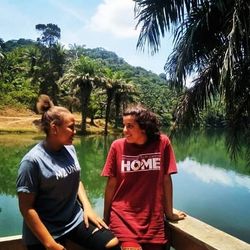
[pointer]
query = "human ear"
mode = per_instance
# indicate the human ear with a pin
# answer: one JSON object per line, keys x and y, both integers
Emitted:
{"x": 53, "y": 129}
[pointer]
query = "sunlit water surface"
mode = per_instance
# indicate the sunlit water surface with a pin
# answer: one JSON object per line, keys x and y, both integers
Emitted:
{"x": 208, "y": 185}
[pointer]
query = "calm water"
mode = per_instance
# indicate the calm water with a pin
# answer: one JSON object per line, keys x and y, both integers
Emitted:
{"x": 208, "y": 186}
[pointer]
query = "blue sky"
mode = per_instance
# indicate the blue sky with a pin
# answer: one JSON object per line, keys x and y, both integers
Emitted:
{"x": 95, "y": 23}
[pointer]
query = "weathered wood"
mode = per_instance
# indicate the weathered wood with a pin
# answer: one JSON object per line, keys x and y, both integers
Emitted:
{"x": 15, "y": 243}
{"x": 193, "y": 234}
{"x": 188, "y": 234}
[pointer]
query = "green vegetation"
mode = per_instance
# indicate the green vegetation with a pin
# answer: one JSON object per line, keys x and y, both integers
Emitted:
{"x": 211, "y": 43}
{"x": 95, "y": 82}
{"x": 99, "y": 84}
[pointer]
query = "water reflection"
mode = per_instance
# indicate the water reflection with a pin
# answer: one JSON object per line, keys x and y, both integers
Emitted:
{"x": 208, "y": 148}
{"x": 217, "y": 196}
{"x": 208, "y": 185}
{"x": 212, "y": 174}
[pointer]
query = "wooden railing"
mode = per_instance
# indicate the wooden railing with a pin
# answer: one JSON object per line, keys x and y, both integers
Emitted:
{"x": 188, "y": 234}
{"x": 193, "y": 234}
{"x": 15, "y": 243}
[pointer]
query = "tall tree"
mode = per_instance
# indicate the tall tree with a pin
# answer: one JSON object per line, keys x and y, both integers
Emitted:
{"x": 51, "y": 33}
{"x": 1, "y": 57}
{"x": 1, "y": 45}
{"x": 75, "y": 51}
{"x": 111, "y": 82}
{"x": 211, "y": 39}
{"x": 83, "y": 73}
{"x": 51, "y": 63}
{"x": 126, "y": 93}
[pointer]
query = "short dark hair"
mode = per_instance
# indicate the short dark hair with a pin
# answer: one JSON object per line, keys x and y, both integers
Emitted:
{"x": 146, "y": 119}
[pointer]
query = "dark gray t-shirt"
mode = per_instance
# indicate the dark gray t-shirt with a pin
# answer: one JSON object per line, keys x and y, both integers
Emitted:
{"x": 54, "y": 178}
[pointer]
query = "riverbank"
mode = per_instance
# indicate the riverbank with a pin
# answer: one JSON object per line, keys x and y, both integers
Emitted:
{"x": 25, "y": 121}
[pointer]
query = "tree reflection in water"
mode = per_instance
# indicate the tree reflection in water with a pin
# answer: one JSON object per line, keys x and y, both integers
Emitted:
{"x": 209, "y": 186}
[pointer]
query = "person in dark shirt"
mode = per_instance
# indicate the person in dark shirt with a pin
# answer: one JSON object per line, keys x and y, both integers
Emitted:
{"x": 52, "y": 198}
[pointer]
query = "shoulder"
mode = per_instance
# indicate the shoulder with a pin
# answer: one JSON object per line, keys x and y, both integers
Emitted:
{"x": 118, "y": 142}
{"x": 34, "y": 153}
{"x": 30, "y": 161}
{"x": 164, "y": 139}
{"x": 71, "y": 148}
{"x": 117, "y": 145}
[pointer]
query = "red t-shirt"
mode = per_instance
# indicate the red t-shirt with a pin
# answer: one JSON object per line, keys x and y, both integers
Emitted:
{"x": 137, "y": 206}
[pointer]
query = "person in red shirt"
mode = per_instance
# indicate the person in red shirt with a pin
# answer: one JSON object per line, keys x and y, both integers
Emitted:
{"x": 138, "y": 192}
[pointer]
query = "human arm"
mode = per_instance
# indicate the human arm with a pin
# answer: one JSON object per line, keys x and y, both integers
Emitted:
{"x": 109, "y": 193}
{"x": 168, "y": 201}
{"x": 32, "y": 219}
{"x": 89, "y": 213}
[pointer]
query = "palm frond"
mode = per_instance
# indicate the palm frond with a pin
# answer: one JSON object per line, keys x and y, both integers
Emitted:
{"x": 156, "y": 18}
{"x": 197, "y": 40}
{"x": 196, "y": 98}
{"x": 212, "y": 39}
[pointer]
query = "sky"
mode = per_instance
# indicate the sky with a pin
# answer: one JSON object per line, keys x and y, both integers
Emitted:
{"x": 109, "y": 24}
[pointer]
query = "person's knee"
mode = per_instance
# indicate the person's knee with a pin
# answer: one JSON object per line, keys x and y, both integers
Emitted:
{"x": 130, "y": 246}
{"x": 112, "y": 243}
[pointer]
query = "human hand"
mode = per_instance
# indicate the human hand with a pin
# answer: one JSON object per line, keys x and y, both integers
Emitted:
{"x": 176, "y": 215}
{"x": 56, "y": 246}
{"x": 93, "y": 217}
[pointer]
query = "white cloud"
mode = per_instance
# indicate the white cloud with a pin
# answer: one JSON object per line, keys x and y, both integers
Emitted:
{"x": 243, "y": 181}
{"x": 115, "y": 17}
{"x": 205, "y": 172}
{"x": 211, "y": 174}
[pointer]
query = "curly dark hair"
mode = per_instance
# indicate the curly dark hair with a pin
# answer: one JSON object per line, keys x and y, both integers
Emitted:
{"x": 146, "y": 119}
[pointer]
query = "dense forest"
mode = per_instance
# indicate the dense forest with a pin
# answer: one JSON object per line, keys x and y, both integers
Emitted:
{"x": 96, "y": 82}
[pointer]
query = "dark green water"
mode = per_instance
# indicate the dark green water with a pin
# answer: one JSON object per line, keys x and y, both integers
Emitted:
{"x": 208, "y": 185}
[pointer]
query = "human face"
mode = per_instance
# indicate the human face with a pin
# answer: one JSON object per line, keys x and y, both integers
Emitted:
{"x": 132, "y": 132}
{"x": 66, "y": 131}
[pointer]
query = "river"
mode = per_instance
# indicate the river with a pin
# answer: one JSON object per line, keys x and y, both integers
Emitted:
{"x": 208, "y": 185}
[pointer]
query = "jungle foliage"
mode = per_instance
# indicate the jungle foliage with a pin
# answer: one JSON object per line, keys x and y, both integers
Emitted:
{"x": 96, "y": 82}
{"x": 211, "y": 43}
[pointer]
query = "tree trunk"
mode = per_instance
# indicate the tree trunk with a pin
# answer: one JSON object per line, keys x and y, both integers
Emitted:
{"x": 109, "y": 100}
{"x": 85, "y": 89}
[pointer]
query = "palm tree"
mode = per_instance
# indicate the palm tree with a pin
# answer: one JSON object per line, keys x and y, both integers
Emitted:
{"x": 75, "y": 51}
{"x": 2, "y": 58}
{"x": 125, "y": 94}
{"x": 45, "y": 67}
{"x": 82, "y": 74}
{"x": 211, "y": 39}
{"x": 119, "y": 90}
{"x": 111, "y": 82}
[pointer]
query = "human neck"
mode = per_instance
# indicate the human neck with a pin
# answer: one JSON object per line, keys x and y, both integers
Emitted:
{"x": 51, "y": 145}
{"x": 142, "y": 140}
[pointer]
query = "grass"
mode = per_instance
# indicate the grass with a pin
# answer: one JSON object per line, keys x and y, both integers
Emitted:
{"x": 24, "y": 121}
